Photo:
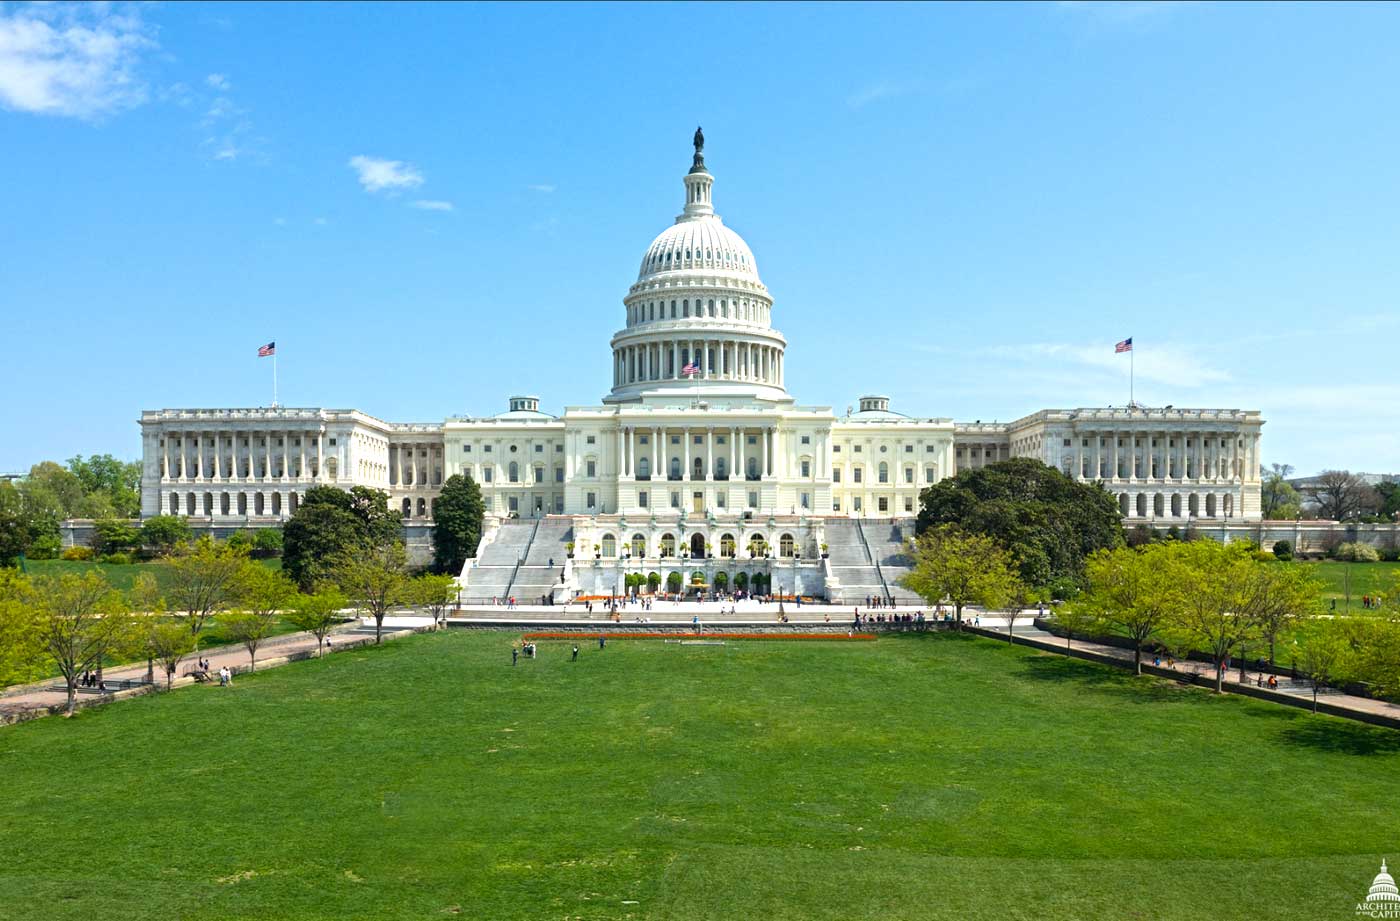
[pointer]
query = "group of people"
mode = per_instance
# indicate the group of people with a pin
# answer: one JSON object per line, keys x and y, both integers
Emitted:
{"x": 895, "y": 619}
{"x": 89, "y": 679}
{"x": 530, "y": 651}
{"x": 1371, "y": 602}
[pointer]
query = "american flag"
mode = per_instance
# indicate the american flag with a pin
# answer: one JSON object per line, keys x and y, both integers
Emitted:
{"x": 691, "y": 369}
{"x": 1125, "y": 346}
{"x": 266, "y": 350}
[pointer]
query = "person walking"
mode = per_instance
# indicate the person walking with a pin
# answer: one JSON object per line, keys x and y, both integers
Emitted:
{"x": 602, "y": 641}
{"x": 575, "y": 656}
{"x": 514, "y": 655}
{"x": 225, "y": 679}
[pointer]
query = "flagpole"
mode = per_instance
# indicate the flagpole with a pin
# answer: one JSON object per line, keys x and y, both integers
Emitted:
{"x": 1132, "y": 360}
{"x": 274, "y": 378}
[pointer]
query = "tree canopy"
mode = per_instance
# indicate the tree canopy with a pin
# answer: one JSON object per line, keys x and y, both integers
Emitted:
{"x": 328, "y": 524}
{"x": 960, "y": 568}
{"x": 457, "y": 523}
{"x": 1049, "y": 522}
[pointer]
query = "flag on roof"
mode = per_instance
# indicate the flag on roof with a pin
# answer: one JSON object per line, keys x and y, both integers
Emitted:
{"x": 266, "y": 350}
{"x": 691, "y": 369}
{"x": 1125, "y": 346}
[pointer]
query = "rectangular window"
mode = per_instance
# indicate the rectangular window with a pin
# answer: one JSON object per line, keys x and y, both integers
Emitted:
{"x": 855, "y": 504}
{"x": 592, "y": 500}
{"x": 855, "y": 475}
{"x": 835, "y": 474}
{"x": 836, "y": 503}
{"x": 675, "y": 439}
{"x": 806, "y": 468}
{"x": 928, "y": 449}
{"x": 806, "y": 500}
{"x": 835, "y": 449}
{"x": 720, "y": 499}
{"x": 486, "y": 448}
{"x": 539, "y": 449}
{"x": 857, "y": 449}
{"x": 675, "y": 500}
{"x": 753, "y": 500}
{"x": 466, "y": 449}
{"x": 644, "y": 439}
{"x": 558, "y": 505}
{"x": 590, "y": 439}
{"x": 486, "y": 474}
{"x": 884, "y": 504}
{"x": 642, "y": 498}
{"x": 558, "y": 474}
{"x": 698, "y": 439}
{"x": 806, "y": 439}
{"x": 908, "y": 474}
{"x": 1066, "y": 442}
{"x": 908, "y": 449}
{"x": 909, "y": 503}
{"x": 753, "y": 439}
{"x": 720, "y": 439}
{"x": 514, "y": 504}
{"x": 592, "y": 468}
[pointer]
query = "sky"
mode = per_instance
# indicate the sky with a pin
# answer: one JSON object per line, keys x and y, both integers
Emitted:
{"x": 433, "y": 207}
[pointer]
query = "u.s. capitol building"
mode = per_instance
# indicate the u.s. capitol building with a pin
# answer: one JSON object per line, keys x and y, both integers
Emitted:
{"x": 698, "y": 452}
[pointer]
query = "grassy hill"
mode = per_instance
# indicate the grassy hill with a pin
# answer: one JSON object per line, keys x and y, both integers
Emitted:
{"x": 910, "y": 778}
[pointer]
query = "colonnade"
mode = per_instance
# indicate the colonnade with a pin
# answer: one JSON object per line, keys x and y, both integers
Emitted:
{"x": 715, "y": 359}
{"x": 654, "y": 464}
{"x": 222, "y": 455}
{"x": 415, "y": 464}
{"x": 1166, "y": 455}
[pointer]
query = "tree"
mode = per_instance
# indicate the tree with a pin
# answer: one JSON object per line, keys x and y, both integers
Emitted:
{"x": 112, "y": 482}
{"x": 267, "y": 543}
{"x": 264, "y": 594}
{"x": 1216, "y": 584}
{"x": 1283, "y": 550}
{"x": 457, "y": 521}
{"x": 375, "y": 577}
{"x": 1134, "y": 591}
{"x": 163, "y": 533}
{"x": 1278, "y": 499}
{"x": 1277, "y": 596}
{"x": 80, "y": 617}
{"x": 112, "y": 535}
{"x": 1340, "y": 495}
{"x": 61, "y": 484}
{"x": 960, "y": 568}
{"x": 21, "y": 646}
{"x": 1078, "y": 617}
{"x": 204, "y": 580}
{"x": 317, "y": 613}
{"x": 328, "y": 523}
{"x": 1049, "y": 522}
{"x": 436, "y": 593}
{"x": 1389, "y": 494}
{"x": 1323, "y": 655}
{"x": 167, "y": 642}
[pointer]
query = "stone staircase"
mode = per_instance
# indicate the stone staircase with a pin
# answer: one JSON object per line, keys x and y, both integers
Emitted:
{"x": 888, "y": 545}
{"x": 851, "y": 563}
{"x": 494, "y": 571}
{"x": 544, "y": 560}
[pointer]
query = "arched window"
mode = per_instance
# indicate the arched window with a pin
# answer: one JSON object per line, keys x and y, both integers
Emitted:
{"x": 756, "y": 545}
{"x": 514, "y": 472}
{"x": 786, "y": 547}
{"x": 639, "y": 545}
{"x": 726, "y": 546}
{"x": 884, "y": 472}
{"x": 331, "y": 467}
{"x": 753, "y": 468}
{"x": 721, "y": 469}
{"x": 609, "y": 545}
{"x": 668, "y": 545}
{"x": 697, "y": 469}
{"x": 675, "y": 468}
{"x": 408, "y": 508}
{"x": 422, "y": 508}
{"x": 644, "y": 467}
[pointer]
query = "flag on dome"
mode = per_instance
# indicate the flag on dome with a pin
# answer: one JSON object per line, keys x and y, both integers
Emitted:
{"x": 266, "y": 350}
{"x": 1125, "y": 346}
{"x": 691, "y": 369}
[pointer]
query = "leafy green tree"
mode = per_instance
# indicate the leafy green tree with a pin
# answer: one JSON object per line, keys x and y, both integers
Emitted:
{"x": 267, "y": 542}
{"x": 1389, "y": 494}
{"x": 1049, "y": 522}
{"x": 205, "y": 579}
{"x": 436, "y": 593}
{"x": 1278, "y": 500}
{"x": 61, "y": 484}
{"x": 113, "y": 535}
{"x": 1136, "y": 591}
{"x": 30, "y": 516}
{"x": 1324, "y": 654}
{"x": 962, "y": 569}
{"x": 167, "y": 642}
{"x": 163, "y": 533}
{"x": 263, "y": 595}
{"x": 457, "y": 520}
{"x": 116, "y": 482}
{"x": 653, "y": 581}
{"x": 375, "y": 578}
{"x": 80, "y": 618}
{"x": 1214, "y": 608}
{"x": 328, "y": 524}
{"x": 21, "y": 645}
{"x": 1279, "y": 596}
{"x": 1078, "y": 617}
{"x": 317, "y": 613}
{"x": 14, "y": 528}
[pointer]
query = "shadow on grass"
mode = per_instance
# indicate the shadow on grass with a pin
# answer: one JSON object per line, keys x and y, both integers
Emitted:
{"x": 1342, "y": 737}
{"x": 1106, "y": 679}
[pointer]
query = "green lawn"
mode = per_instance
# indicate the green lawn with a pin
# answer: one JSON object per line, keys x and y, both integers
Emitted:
{"x": 1363, "y": 578}
{"x": 910, "y": 778}
{"x": 120, "y": 575}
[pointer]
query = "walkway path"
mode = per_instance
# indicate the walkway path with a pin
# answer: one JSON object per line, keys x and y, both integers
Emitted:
{"x": 19, "y": 703}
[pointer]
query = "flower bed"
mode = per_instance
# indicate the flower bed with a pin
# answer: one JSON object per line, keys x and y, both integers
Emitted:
{"x": 684, "y": 631}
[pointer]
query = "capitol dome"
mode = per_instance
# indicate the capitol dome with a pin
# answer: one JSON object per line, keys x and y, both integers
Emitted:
{"x": 1383, "y": 888}
{"x": 699, "y": 318}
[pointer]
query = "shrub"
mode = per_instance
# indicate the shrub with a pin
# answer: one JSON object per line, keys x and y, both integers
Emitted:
{"x": 44, "y": 547}
{"x": 1283, "y": 550}
{"x": 112, "y": 535}
{"x": 163, "y": 533}
{"x": 240, "y": 540}
{"x": 267, "y": 542}
{"x": 1357, "y": 553}
{"x": 120, "y": 559}
{"x": 1390, "y": 555}
{"x": 77, "y": 554}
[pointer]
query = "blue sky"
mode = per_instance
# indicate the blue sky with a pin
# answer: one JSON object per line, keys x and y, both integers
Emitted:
{"x": 960, "y": 206}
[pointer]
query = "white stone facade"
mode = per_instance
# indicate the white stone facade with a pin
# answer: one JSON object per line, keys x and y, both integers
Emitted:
{"x": 698, "y": 427}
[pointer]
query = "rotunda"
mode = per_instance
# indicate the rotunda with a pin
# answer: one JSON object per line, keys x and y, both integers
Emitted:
{"x": 699, "y": 318}
{"x": 1383, "y": 888}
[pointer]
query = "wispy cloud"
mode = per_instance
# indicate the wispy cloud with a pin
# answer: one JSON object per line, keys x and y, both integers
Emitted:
{"x": 219, "y": 82}
{"x": 885, "y": 89}
{"x": 228, "y": 131}
{"x": 1164, "y": 363}
{"x": 72, "y": 59}
{"x": 379, "y": 175}
{"x": 428, "y": 204}
{"x": 540, "y": 187}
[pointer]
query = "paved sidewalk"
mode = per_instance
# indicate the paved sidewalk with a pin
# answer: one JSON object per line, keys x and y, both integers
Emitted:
{"x": 1291, "y": 691}
{"x": 20, "y": 703}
